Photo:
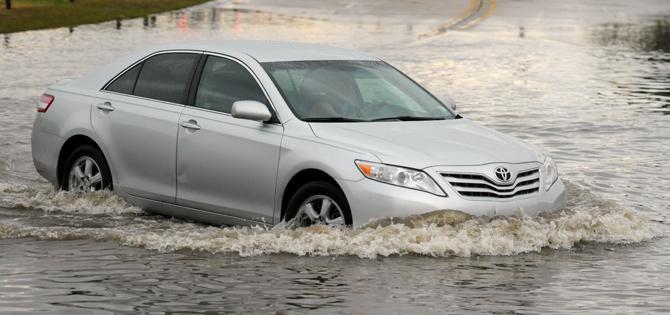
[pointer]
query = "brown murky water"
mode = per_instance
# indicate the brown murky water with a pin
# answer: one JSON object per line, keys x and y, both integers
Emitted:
{"x": 590, "y": 82}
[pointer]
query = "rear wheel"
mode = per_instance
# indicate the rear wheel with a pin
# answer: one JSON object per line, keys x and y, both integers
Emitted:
{"x": 318, "y": 203}
{"x": 86, "y": 170}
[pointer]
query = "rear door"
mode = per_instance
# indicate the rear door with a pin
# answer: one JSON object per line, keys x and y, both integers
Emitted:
{"x": 137, "y": 119}
{"x": 224, "y": 164}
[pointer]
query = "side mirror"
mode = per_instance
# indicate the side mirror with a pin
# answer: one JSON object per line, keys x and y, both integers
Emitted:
{"x": 251, "y": 110}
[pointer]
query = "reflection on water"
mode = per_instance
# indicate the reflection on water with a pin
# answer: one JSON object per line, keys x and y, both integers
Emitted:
{"x": 653, "y": 39}
{"x": 564, "y": 75}
{"x": 650, "y": 36}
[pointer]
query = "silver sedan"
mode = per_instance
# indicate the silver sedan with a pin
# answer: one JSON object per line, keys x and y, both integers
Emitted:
{"x": 249, "y": 132}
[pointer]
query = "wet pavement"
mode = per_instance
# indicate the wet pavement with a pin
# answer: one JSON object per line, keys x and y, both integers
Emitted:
{"x": 588, "y": 81}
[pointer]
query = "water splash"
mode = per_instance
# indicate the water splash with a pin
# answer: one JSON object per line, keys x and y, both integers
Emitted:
{"x": 439, "y": 234}
{"x": 16, "y": 196}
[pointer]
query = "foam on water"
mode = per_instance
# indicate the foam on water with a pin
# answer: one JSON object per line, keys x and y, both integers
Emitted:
{"x": 46, "y": 198}
{"x": 440, "y": 234}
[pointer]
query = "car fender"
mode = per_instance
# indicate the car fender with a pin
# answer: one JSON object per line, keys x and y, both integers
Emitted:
{"x": 301, "y": 150}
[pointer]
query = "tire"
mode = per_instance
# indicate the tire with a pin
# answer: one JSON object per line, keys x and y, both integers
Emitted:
{"x": 80, "y": 156}
{"x": 316, "y": 191}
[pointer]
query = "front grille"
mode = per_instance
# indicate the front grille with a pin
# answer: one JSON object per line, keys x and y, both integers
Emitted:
{"x": 480, "y": 186}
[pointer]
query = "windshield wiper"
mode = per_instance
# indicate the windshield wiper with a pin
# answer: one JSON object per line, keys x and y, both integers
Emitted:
{"x": 409, "y": 118}
{"x": 333, "y": 119}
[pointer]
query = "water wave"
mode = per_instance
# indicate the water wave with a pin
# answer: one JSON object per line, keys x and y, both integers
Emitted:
{"x": 439, "y": 234}
{"x": 46, "y": 198}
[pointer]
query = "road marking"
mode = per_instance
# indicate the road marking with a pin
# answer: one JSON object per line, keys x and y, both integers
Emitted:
{"x": 490, "y": 8}
{"x": 476, "y": 12}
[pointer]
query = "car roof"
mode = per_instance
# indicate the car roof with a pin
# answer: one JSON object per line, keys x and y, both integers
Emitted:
{"x": 261, "y": 51}
{"x": 273, "y": 51}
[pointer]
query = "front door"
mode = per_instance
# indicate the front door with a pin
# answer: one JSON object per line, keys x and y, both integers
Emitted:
{"x": 224, "y": 164}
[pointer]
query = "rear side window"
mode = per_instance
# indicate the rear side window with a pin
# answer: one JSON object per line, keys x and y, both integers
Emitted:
{"x": 166, "y": 77}
{"x": 126, "y": 82}
{"x": 224, "y": 82}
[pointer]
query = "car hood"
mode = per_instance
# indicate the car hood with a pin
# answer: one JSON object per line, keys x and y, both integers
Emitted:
{"x": 422, "y": 144}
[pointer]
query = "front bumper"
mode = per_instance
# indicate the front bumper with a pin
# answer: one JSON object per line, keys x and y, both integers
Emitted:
{"x": 370, "y": 199}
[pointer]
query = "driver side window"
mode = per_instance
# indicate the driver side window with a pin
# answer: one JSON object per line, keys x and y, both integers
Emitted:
{"x": 223, "y": 82}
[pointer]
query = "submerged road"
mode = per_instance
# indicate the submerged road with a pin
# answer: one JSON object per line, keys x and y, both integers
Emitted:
{"x": 586, "y": 80}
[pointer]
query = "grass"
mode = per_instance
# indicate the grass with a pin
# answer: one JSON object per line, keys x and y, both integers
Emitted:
{"x": 39, "y": 14}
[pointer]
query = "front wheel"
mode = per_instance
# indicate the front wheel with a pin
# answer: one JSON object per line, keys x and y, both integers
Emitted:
{"x": 318, "y": 203}
{"x": 86, "y": 170}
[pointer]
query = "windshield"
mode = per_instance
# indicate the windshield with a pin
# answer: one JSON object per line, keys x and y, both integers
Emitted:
{"x": 351, "y": 91}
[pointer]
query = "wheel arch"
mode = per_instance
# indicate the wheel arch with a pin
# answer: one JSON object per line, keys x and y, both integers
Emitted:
{"x": 301, "y": 178}
{"x": 70, "y": 145}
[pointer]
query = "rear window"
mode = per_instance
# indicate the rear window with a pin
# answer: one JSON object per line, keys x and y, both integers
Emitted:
{"x": 166, "y": 77}
{"x": 126, "y": 82}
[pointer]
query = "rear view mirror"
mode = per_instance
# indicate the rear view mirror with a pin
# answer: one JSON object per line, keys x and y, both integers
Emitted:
{"x": 251, "y": 110}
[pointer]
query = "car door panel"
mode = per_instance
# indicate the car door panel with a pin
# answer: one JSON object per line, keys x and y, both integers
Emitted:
{"x": 229, "y": 165}
{"x": 140, "y": 137}
{"x": 225, "y": 164}
{"x": 137, "y": 117}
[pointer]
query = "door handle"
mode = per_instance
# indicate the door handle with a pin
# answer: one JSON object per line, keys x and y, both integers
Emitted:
{"x": 106, "y": 106}
{"x": 191, "y": 124}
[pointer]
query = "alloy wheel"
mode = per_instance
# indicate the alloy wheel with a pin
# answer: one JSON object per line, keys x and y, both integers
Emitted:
{"x": 85, "y": 176}
{"x": 319, "y": 209}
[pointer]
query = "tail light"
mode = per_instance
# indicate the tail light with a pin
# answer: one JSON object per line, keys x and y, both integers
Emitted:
{"x": 45, "y": 103}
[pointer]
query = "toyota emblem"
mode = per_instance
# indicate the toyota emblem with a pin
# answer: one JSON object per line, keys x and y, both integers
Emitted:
{"x": 503, "y": 174}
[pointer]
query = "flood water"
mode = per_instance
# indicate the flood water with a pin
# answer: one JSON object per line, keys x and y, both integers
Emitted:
{"x": 588, "y": 81}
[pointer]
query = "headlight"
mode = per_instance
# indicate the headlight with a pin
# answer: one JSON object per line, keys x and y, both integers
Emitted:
{"x": 550, "y": 172}
{"x": 400, "y": 176}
